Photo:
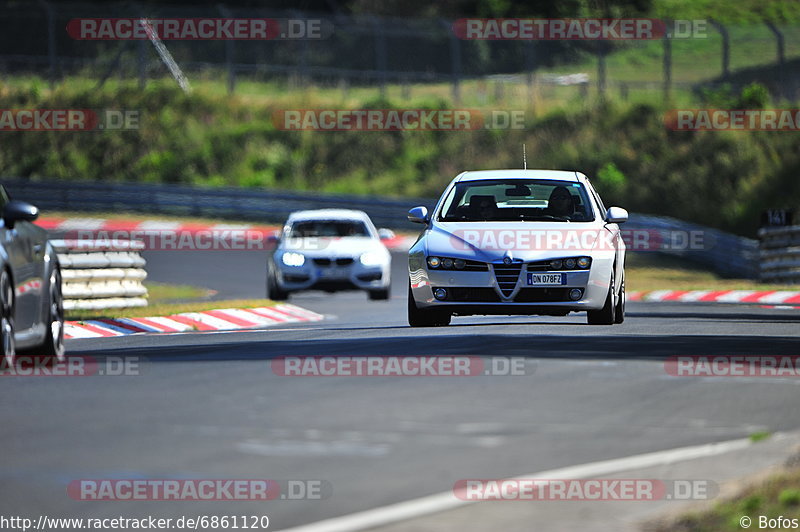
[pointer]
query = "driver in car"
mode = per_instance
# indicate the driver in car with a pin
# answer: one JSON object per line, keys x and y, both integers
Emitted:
{"x": 561, "y": 204}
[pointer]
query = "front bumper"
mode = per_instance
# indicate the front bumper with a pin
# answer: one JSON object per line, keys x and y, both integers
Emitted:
{"x": 332, "y": 277}
{"x": 484, "y": 292}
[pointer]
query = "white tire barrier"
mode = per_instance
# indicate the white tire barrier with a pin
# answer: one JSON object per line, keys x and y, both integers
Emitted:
{"x": 779, "y": 255}
{"x": 101, "y": 274}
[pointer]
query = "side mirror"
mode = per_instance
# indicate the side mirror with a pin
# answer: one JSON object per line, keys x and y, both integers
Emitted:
{"x": 386, "y": 234}
{"x": 272, "y": 241}
{"x": 16, "y": 210}
{"x": 418, "y": 215}
{"x": 616, "y": 215}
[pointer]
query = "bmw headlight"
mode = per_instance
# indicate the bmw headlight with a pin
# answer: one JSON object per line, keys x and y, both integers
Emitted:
{"x": 293, "y": 259}
{"x": 371, "y": 258}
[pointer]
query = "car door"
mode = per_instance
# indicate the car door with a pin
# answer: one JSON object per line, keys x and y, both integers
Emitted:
{"x": 18, "y": 242}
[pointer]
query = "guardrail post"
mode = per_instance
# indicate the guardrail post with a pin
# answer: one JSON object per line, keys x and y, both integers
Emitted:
{"x": 381, "y": 61}
{"x": 52, "y": 58}
{"x": 726, "y": 47}
{"x": 455, "y": 61}
{"x": 667, "y": 62}
{"x": 229, "y": 52}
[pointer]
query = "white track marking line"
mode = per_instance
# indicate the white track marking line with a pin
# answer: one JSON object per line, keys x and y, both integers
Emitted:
{"x": 440, "y": 502}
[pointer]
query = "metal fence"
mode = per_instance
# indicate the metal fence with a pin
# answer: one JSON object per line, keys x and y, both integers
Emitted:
{"x": 727, "y": 254}
{"x": 371, "y": 50}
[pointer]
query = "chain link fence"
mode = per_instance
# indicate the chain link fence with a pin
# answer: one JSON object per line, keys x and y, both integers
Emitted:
{"x": 400, "y": 52}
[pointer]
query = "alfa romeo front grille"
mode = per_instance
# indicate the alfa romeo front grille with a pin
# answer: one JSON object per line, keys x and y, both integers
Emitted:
{"x": 507, "y": 277}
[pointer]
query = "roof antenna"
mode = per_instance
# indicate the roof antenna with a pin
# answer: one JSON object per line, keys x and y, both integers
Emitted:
{"x": 524, "y": 158}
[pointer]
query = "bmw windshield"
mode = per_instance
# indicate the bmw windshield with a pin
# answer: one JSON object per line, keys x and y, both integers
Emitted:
{"x": 517, "y": 200}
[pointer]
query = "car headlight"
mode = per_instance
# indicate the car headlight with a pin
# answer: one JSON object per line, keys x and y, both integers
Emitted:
{"x": 569, "y": 264}
{"x": 371, "y": 258}
{"x": 293, "y": 259}
{"x": 434, "y": 262}
{"x": 556, "y": 264}
{"x": 584, "y": 262}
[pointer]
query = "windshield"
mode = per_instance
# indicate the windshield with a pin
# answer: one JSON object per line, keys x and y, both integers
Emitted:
{"x": 517, "y": 199}
{"x": 328, "y": 228}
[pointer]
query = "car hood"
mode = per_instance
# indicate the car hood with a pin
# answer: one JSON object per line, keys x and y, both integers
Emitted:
{"x": 527, "y": 241}
{"x": 349, "y": 246}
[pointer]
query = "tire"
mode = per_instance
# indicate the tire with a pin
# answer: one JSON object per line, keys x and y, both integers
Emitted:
{"x": 53, "y": 347}
{"x": 604, "y": 316}
{"x": 274, "y": 291}
{"x": 619, "y": 312}
{"x": 379, "y": 295}
{"x": 425, "y": 317}
{"x": 7, "y": 319}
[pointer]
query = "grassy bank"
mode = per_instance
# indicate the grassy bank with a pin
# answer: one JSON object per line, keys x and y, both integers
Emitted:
{"x": 777, "y": 496}
{"x": 720, "y": 179}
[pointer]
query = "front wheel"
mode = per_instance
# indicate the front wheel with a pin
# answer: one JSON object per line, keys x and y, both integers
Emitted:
{"x": 274, "y": 291}
{"x": 53, "y": 346}
{"x": 7, "y": 319}
{"x": 379, "y": 295}
{"x": 425, "y": 317}
{"x": 619, "y": 312}
{"x": 606, "y": 315}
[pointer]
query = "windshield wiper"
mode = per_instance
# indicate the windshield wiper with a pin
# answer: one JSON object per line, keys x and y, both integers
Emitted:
{"x": 542, "y": 217}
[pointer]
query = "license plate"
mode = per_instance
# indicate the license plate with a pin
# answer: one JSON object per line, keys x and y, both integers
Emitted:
{"x": 546, "y": 279}
{"x": 333, "y": 273}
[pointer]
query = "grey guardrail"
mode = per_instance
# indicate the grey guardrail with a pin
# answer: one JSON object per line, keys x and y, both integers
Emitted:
{"x": 236, "y": 203}
{"x": 780, "y": 254}
{"x": 98, "y": 274}
{"x": 727, "y": 254}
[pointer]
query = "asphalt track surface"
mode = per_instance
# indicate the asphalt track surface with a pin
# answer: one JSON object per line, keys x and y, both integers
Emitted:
{"x": 208, "y": 405}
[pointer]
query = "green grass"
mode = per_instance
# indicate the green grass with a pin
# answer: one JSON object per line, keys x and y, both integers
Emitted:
{"x": 760, "y": 436}
{"x": 653, "y": 271}
{"x": 778, "y": 495}
{"x": 159, "y": 293}
{"x": 208, "y": 139}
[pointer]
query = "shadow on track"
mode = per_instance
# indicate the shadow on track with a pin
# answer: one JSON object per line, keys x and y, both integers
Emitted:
{"x": 635, "y": 347}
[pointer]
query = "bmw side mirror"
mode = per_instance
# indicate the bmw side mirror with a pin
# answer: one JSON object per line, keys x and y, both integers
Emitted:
{"x": 16, "y": 210}
{"x": 616, "y": 215}
{"x": 272, "y": 241}
{"x": 385, "y": 234}
{"x": 418, "y": 215}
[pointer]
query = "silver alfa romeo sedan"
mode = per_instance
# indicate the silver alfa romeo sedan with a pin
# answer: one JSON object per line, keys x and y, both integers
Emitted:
{"x": 517, "y": 242}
